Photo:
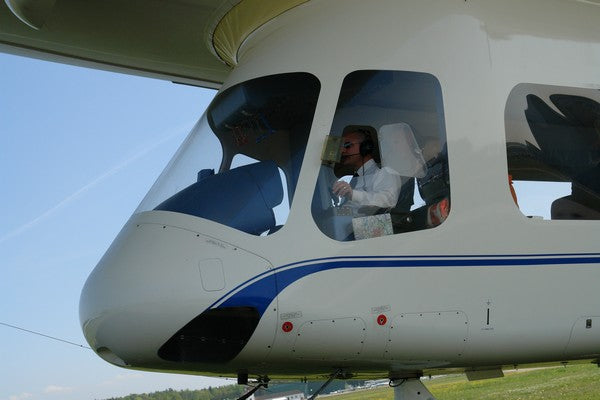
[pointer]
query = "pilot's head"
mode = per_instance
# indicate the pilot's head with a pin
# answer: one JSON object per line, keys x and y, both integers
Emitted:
{"x": 357, "y": 148}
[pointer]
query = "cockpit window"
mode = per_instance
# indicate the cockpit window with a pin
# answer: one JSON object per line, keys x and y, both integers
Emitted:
{"x": 240, "y": 165}
{"x": 391, "y": 173}
{"x": 553, "y": 150}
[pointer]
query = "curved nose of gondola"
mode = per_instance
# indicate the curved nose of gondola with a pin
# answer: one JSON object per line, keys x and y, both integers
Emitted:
{"x": 152, "y": 300}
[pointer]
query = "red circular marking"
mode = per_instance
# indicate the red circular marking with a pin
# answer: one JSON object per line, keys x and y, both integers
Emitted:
{"x": 382, "y": 319}
{"x": 287, "y": 326}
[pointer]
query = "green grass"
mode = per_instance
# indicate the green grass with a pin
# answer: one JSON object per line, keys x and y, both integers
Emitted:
{"x": 574, "y": 382}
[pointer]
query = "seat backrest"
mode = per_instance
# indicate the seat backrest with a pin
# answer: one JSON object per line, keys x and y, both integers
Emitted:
{"x": 242, "y": 198}
{"x": 400, "y": 150}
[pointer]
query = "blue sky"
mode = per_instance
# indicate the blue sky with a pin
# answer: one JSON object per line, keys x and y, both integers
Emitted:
{"x": 79, "y": 149}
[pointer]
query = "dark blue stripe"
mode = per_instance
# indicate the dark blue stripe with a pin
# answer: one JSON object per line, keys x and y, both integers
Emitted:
{"x": 263, "y": 291}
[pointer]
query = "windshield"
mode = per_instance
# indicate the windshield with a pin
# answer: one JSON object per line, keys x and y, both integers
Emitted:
{"x": 240, "y": 164}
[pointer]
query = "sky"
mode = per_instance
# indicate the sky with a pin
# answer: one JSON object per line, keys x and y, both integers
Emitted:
{"x": 79, "y": 148}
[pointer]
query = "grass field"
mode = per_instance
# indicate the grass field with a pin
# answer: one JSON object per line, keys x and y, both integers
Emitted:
{"x": 574, "y": 382}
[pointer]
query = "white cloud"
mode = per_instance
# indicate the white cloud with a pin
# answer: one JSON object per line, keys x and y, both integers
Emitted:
{"x": 123, "y": 377}
{"x": 21, "y": 396}
{"x": 57, "y": 389}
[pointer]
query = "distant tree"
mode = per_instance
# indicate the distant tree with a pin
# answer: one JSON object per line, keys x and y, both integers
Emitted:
{"x": 230, "y": 392}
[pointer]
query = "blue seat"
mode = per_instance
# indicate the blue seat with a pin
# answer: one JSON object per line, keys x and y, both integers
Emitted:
{"x": 242, "y": 198}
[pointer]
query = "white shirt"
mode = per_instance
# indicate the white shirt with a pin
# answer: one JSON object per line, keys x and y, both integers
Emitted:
{"x": 376, "y": 186}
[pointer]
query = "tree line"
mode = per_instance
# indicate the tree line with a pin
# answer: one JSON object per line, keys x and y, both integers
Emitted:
{"x": 230, "y": 392}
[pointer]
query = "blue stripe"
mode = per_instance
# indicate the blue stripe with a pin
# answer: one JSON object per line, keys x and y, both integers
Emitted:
{"x": 261, "y": 290}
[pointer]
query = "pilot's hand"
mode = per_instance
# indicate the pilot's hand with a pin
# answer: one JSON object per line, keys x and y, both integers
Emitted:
{"x": 341, "y": 188}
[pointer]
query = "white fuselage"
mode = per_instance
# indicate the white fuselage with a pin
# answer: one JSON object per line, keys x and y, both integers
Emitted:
{"x": 488, "y": 287}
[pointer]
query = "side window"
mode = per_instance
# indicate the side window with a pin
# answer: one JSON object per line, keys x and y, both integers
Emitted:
{"x": 391, "y": 175}
{"x": 553, "y": 151}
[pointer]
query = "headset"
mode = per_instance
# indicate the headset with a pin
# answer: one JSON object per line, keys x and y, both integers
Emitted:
{"x": 367, "y": 146}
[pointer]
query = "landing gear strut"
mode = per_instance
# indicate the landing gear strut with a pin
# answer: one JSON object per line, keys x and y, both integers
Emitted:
{"x": 331, "y": 377}
{"x": 410, "y": 389}
{"x": 261, "y": 383}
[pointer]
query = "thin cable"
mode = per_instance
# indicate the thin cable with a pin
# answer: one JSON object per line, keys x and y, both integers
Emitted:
{"x": 46, "y": 336}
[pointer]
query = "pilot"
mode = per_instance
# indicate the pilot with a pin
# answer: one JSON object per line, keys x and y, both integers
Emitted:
{"x": 371, "y": 185}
